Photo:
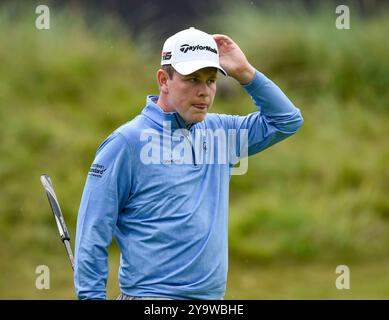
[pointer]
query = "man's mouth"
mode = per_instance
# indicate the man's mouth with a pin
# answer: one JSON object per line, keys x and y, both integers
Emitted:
{"x": 200, "y": 106}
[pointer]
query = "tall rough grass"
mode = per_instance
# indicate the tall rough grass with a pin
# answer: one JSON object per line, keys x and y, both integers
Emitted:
{"x": 319, "y": 196}
{"x": 322, "y": 194}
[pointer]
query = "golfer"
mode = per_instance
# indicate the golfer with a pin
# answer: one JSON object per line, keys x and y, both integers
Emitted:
{"x": 159, "y": 184}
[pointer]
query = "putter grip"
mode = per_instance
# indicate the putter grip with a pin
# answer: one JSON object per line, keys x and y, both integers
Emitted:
{"x": 63, "y": 231}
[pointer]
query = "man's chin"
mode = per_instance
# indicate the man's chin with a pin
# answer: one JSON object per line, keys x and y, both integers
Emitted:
{"x": 198, "y": 118}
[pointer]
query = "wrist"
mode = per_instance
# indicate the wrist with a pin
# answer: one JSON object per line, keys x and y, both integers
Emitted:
{"x": 246, "y": 75}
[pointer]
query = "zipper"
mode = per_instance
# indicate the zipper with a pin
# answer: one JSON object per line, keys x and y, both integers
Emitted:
{"x": 191, "y": 145}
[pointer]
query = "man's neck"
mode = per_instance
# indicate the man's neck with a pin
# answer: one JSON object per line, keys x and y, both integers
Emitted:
{"x": 164, "y": 106}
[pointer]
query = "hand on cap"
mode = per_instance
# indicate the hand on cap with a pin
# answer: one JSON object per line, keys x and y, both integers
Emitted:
{"x": 233, "y": 60}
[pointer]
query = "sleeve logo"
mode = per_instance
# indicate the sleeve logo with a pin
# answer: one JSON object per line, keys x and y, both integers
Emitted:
{"x": 97, "y": 170}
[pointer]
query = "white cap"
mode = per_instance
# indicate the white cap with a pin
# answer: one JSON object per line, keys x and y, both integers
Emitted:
{"x": 190, "y": 50}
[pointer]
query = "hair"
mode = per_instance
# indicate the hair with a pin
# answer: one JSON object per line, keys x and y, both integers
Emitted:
{"x": 169, "y": 70}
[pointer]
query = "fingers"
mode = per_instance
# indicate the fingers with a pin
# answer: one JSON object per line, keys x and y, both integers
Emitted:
{"x": 223, "y": 40}
{"x": 220, "y": 37}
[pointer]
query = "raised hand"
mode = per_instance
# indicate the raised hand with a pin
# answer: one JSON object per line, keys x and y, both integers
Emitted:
{"x": 233, "y": 60}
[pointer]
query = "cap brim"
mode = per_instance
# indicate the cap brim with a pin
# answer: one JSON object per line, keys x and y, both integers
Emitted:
{"x": 189, "y": 67}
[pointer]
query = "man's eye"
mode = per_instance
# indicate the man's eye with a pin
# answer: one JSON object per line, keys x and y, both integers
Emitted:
{"x": 211, "y": 81}
{"x": 192, "y": 79}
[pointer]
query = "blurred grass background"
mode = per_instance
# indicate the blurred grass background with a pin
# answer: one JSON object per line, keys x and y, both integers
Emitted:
{"x": 315, "y": 201}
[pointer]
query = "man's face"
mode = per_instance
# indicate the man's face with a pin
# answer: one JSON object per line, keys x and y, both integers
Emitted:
{"x": 192, "y": 95}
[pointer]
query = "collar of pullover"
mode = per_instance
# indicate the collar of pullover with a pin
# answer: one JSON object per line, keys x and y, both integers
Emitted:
{"x": 155, "y": 113}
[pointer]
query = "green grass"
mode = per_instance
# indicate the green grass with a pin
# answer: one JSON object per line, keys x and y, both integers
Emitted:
{"x": 313, "y": 280}
{"x": 316, "y": 200}
{"x": 368, "y": 280}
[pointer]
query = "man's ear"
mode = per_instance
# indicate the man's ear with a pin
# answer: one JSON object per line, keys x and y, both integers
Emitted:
{"x": 162, "y": 79}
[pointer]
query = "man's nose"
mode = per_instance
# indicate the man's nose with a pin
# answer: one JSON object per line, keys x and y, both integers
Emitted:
{"x": 203, "y": 89}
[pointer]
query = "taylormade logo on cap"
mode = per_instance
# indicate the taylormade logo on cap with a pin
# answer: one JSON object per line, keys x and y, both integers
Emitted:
{"x": 185, "y": 47}
{"x": 190, "y": 50}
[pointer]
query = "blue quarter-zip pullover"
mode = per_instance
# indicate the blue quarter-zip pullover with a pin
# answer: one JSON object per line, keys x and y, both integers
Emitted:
{"x": 169, "y": 217}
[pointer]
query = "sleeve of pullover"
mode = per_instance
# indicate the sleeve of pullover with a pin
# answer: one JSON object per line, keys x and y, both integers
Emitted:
{"x": 276, "y": 118}
{"x": 106, "y": 189}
